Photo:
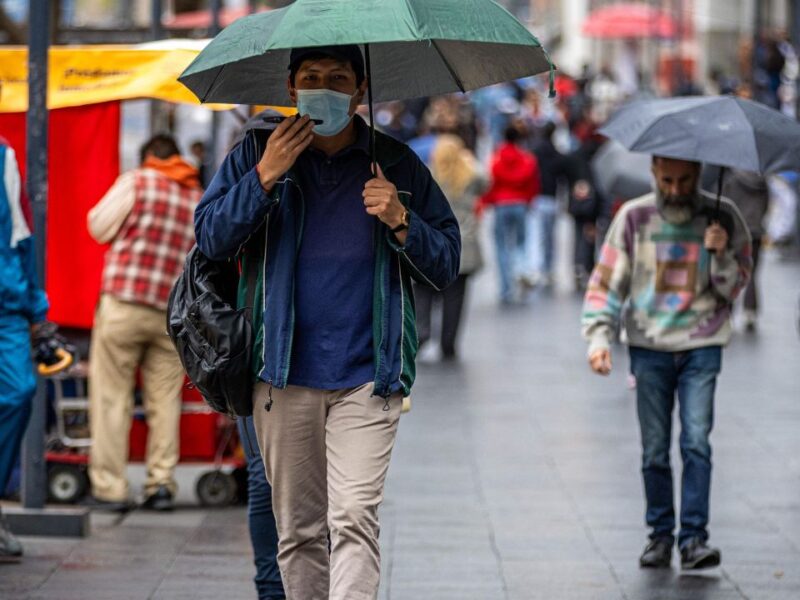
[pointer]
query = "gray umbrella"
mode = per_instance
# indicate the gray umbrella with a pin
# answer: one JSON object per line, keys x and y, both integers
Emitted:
{"x": 719, "y": 130}
{"x": 619, "y": 173}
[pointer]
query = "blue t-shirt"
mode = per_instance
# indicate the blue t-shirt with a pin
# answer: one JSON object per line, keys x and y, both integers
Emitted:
{"x": 333, "y": 346}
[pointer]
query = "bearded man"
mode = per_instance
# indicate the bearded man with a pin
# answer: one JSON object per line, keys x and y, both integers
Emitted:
{"x": 671, "y": 266}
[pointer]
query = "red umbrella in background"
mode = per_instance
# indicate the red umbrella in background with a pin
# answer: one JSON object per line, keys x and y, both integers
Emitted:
{"x": 629, "y": 20}
{"x": 201, "y": 19}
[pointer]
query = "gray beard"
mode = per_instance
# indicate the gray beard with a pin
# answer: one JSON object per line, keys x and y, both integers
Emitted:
{"x": 678, "y": 211}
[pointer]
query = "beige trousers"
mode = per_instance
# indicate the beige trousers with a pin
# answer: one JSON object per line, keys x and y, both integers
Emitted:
{"x": 326, "y": 454}
{"x": 126, "y": 336}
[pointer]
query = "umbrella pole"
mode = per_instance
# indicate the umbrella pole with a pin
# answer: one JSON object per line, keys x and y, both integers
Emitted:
{"x": 720, "y": 180}
{"x": 373, "y": 162}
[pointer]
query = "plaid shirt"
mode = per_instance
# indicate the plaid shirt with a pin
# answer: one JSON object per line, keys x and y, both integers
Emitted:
{"x": 147, "y": 254}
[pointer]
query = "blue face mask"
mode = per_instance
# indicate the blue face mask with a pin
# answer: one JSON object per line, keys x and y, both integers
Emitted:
{"x": 333, "y": 108}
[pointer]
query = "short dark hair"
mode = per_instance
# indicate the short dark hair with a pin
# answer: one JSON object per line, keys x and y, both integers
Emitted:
{"x": 348, "y": 53}
{"x": 512, "y": 135}
{"x": 320, "y": 56}
{"x": 161, "y": 145}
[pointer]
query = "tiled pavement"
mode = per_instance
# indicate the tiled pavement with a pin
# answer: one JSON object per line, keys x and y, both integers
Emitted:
{"x": 515, "y": 476}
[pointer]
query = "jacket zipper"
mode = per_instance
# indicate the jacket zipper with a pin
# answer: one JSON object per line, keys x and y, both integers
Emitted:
{"x": 402, "y": 321}
{"x": 384, "y": 309}
{"x": 264, "y": 292}
{"x": 418, "y": 272}
{"x": 247, "y": 239}
{"x": 268, "y": 404}
{"x": 288, "y": 355}
{"x": 388, "y": 393}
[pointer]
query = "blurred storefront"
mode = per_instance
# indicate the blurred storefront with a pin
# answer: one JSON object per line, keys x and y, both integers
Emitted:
{"x": 711, "y": 38}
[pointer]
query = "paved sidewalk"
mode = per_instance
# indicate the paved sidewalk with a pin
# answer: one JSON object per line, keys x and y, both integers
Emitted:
{"x": 515, "y": 476}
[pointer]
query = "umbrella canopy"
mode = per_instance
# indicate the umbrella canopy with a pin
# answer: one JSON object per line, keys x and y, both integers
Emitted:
{"x": 416, "y": 48}
{"x": 619, "y": 173}
{"x": 719, "y": 130}
{"x": 629, "y": 20}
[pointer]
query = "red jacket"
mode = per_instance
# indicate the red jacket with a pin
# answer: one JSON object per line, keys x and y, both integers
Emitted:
{"x": 515, "y": 176}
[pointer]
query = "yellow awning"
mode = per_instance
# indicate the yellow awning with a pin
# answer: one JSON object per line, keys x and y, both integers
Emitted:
{"x": 80, "y": 75}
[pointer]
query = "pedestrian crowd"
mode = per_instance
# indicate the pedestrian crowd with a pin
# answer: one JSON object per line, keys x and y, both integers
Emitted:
{"x": 347, "y": 245}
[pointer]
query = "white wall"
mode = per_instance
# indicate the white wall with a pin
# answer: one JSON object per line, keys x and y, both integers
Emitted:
{"x": 575, "y": 49}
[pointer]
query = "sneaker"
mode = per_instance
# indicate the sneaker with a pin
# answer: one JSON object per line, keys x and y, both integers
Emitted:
{"x": 750, "y": 319}
{"x": 657, "y": 554}
{"x": 10, "y": 548}
{"x": 631, "y": 381}
{"x": 160, "y": 500}
{"x": 527, "y": 282}
{"x": 581, "y": 281}
{"x": 449, "y": 354}
{"x": 696, "y": 554}
{"x": 118, "y": 506}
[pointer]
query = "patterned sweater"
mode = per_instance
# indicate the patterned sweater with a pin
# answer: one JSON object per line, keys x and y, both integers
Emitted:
{"x": 679, "y": 295}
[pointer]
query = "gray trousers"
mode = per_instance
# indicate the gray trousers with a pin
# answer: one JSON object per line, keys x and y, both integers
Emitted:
{"x": 326, "y": 454}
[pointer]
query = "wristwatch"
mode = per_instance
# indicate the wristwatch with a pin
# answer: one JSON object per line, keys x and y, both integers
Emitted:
{"x": 403, "y": 223}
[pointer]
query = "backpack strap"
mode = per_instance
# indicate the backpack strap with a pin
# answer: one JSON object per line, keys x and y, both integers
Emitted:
{"x": 259, "y": 141}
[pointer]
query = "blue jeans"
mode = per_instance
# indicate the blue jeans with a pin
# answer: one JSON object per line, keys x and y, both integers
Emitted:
{"x": 693, "y": 375}
{"x": 546, "y": 210}
{"x": 263, "y": 531}
{"x": 509, "y": 237}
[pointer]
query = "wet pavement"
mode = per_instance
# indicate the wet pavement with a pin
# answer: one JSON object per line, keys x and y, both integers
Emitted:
{"x": 515, "y": 476}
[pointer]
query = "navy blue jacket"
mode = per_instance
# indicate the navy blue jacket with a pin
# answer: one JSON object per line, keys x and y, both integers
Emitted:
{"x": 237, "y": 218}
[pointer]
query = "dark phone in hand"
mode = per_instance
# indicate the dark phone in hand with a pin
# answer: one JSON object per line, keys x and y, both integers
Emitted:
{"x": 277, "y": 120}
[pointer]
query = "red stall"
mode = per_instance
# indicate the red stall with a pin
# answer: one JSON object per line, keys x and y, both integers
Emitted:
{"x": 85, "y": 89}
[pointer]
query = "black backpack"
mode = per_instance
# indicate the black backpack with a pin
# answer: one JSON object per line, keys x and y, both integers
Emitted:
{"x": 213, "y": 338}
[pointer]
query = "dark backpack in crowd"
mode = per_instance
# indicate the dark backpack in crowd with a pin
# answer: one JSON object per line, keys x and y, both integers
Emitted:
{"x": 585, "y": 205}
{"x": 213, "y": 338}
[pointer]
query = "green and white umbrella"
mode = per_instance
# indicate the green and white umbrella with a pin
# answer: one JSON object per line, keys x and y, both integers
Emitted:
{"x": 413, "y": 48}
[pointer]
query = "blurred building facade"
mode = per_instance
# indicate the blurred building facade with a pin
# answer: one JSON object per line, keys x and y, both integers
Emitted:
{"x": 712, "y": 36}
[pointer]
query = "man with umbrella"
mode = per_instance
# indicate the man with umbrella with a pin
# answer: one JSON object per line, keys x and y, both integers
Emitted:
{"x": 680, "y": 259}
{"x": 673, "y": 264}
{"x": 335, "y": 247}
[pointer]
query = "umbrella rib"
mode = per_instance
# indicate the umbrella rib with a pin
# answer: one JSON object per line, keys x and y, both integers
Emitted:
{"x": 449, "y": 68}
{"x": 738, "y": 106}
{"x": 214, "y": 81}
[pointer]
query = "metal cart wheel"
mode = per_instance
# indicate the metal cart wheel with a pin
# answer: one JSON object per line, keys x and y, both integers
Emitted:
{"x": 66, "y": 483}
{"x": 216, "y": 488}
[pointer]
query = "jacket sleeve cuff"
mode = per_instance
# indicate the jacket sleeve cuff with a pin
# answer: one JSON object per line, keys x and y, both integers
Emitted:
{"x": 41, "y": 305}
{"x": 599, "y": 340}
{"x": 257, "y": 190}
{"x": 725, "y": 261}
{"x": 411, "y": 235}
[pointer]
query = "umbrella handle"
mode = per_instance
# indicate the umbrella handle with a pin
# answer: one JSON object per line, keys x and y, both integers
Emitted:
{"x": 64, "y": 360}
{"x": 720, "y": 180}
{"x": 552, "y": 74}
{"x": 718, "y": 208}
